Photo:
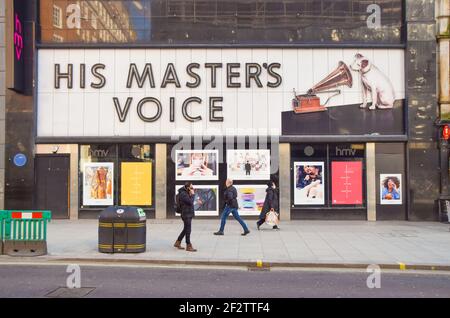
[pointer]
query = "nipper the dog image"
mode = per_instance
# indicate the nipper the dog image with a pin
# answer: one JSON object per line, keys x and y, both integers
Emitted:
{"x": 374, "y": 83}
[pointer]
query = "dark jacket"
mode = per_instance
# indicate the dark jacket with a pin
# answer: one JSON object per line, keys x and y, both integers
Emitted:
{"x": 270, "y": 202}
{"x": 229, "y": 197}
{"x": 186, "y": 202}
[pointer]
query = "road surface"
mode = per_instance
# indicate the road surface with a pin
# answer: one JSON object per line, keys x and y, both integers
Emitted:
{"x": 137, "y": 281}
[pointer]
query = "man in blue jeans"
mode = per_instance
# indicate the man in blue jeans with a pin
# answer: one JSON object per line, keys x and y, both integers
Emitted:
{"x": 231, "y": 206}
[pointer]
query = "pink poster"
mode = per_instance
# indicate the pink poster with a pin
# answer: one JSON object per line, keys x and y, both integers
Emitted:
{"x": 346, "y": 182}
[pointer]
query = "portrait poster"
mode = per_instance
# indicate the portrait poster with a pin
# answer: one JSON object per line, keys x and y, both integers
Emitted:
{"x": 136, "y": 183}
{"x": 248, "y": 164}
{"x": 194, "y": 165}
{"x": 346, "y": 182}
{"x": 206, "y": 200}
{"x": 98, "y": 183}
{"x": 309, "y": 180}
{"x": 251, "y": 198}
{"x": 391, "y": 188}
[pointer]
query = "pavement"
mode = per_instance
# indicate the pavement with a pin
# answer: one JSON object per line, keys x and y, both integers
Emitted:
{"x": 341, "y": 244}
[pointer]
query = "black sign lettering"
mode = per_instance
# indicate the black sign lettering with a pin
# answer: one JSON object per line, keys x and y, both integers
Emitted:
{"x": 213, "y": 108}
{"x": 140, "y": 78}
{"x": 170, "y": 76}
{"x": 274, "y": 74}
{"x": 231, "y": 75}
{"x": 94, "y": 71}
{"x": 185, "y": 112}
{"x": 144, "y": 101}
{"x": 249, "y": 74}
{"x": 122, "y": 113}
{"x": 68, "y": 75}
{"x": 194, "y": 75}
{"x": 213, "y": 67}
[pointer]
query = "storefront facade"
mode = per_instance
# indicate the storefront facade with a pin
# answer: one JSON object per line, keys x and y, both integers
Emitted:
{"x": 134, "y": 98}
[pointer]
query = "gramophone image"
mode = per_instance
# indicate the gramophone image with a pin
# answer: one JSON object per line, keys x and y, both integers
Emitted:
{"x": 310, "y": 102}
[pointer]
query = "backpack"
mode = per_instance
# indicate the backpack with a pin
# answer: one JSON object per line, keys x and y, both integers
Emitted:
{"x": 177, "y": 204}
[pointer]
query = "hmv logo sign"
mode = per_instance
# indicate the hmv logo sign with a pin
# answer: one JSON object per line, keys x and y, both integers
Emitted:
{"x": 18, "y": 37}
{"x": 16, "y": 19}
{"x": 98, "y": 153}
{"x": 345, "y": 152}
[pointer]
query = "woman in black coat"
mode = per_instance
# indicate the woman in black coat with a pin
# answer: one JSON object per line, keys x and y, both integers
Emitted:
{"x": 186, "y": 198}
{"x": 270, "y": 202}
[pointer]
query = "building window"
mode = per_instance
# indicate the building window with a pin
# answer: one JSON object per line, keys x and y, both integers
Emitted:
{"x": 250, "y": 21}
{"x": 94, "y": 21}
{"x": 328, "y": 175}
{"x": 57, "y": 17}
{"x": 58, "y": 38}
{"x": 116, "y": 174}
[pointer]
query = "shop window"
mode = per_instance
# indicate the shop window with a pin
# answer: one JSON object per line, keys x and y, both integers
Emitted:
{"x": 310, "y": 174}
{"x": 112, "y": 174}
{"x": 136, "y": 175}
{"x": 328, "y": 175}
{"x": 347, "y": 174}
{"x": 249, "y": 167}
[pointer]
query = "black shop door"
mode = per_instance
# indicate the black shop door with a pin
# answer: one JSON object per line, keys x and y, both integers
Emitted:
{"x": 52, "y": 184}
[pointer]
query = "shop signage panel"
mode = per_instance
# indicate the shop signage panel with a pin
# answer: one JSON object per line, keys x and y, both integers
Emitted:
{"x": 251, "y": 198}
{"x": 206, "y": 199}
{"x": 197, "y": 165}
{"x": 346, "y": 182}
{"x": 164, "y": 92}
{"x": 248, "y": 164}
{"x": 98, "y": 183}
{"x": 309, "y": 183}
{"x": 136, "y": 183}
{"x": 391, "y": 189}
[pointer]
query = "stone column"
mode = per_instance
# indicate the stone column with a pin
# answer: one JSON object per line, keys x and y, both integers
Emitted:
{"x": 285, "y": 181}
{"x": 2, "y": 104}
{"x": 371, "y": 183}
{"x": 422, "y": 109}
{"x": 161, "y": 181}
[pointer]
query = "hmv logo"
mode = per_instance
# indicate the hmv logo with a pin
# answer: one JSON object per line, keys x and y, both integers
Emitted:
{"x": 99, "y": 153}
{"x": 18, "y": 37}
{"x": 345, "y": 152}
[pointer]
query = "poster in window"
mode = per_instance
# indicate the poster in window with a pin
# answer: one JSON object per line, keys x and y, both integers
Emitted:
{"x": 391, "y": 188}
{"x": 309, "y": 186}
{"x": 206, "y": 201}
{"x": 136, "y": 183}
{"x": 197, "y": 165}
{"x": 346, "y": 182}
{"x": 250, "y": 198}
{"x": 248, "y": 164}
{"x": 98, "y": 183}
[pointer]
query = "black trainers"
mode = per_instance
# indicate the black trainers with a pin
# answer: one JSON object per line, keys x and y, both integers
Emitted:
{"x": 257, "y": 225}
{"x": 275, "y": 227}
{"x": 245, "y": 233}
{"x": 218, "y": 233}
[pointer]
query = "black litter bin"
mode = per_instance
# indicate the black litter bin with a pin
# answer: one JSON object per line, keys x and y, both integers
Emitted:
{"x": 122, "y": 229}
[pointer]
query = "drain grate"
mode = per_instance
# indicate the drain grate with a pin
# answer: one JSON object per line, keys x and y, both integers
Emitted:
{"x": 64, "y": 292}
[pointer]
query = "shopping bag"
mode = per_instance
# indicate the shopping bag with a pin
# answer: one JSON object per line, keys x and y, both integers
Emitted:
{"x": 272, "y": 218}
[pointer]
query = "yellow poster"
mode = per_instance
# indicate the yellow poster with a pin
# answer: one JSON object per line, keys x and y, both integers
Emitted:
{"x": 136, "y": 183}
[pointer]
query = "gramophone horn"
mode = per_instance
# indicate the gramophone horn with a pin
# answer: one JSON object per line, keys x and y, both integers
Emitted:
{"x": 340, "y": 76}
